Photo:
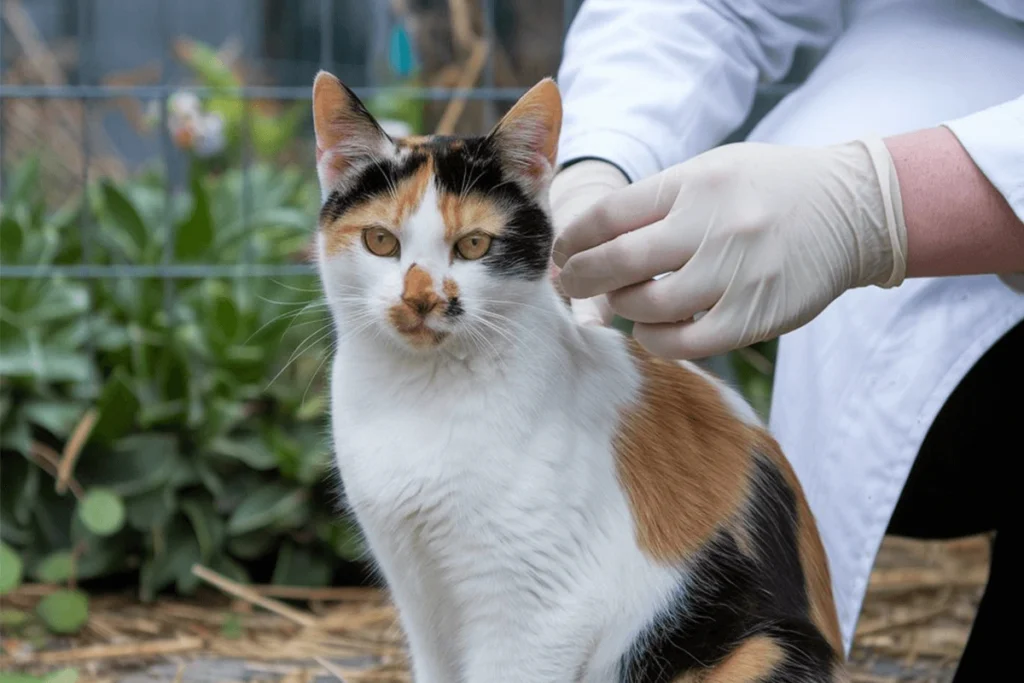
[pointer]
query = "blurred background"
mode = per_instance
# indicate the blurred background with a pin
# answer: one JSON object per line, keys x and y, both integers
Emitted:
{"x": 163, "y": 341}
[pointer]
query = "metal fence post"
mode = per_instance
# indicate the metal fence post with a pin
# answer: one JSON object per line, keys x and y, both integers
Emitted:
{"x": 170, "y": 229}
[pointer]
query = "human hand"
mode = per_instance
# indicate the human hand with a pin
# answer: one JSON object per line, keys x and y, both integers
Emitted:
{"x": 760, "y": 238}
{"x": 573, "y": 191}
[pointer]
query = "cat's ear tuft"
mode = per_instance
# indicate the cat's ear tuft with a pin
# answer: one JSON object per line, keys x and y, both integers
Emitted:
{"x": 527, "y": 136}
{"x": 346, "y": 132}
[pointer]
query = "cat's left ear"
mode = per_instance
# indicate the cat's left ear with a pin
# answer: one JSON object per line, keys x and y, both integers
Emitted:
{"x": 527, "y": 136}
{"x": 347, "y": 135}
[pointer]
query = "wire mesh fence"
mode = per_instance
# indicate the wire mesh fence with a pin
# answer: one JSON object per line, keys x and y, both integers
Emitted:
{"x": 36, "y": 82}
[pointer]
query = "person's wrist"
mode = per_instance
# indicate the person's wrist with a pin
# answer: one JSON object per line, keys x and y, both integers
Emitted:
{"x": 878, "y": 229}
{"x": 576, "y": 187}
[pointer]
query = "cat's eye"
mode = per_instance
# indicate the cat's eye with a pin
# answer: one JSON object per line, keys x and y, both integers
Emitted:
{"x": 472, "y": 247}
{"x": 380, "y": 242}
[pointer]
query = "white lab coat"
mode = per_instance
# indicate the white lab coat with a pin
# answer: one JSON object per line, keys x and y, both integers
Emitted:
{"x": 648, "y": 84}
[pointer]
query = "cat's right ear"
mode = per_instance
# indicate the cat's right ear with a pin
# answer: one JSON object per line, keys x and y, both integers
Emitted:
{"x": 346, "y": 132}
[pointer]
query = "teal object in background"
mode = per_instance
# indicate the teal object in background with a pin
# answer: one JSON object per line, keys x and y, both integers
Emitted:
{"x": 401, "y": 56}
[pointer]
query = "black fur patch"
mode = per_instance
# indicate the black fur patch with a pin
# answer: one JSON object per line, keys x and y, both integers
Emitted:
{"x": 475, "y": 167}
{"x": 455, "y": 308}
{"x": 730, "y": 597}
{"x": 371, "y": 182}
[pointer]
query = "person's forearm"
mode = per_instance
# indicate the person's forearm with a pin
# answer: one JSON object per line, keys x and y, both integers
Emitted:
{"x": 957, "y": 222}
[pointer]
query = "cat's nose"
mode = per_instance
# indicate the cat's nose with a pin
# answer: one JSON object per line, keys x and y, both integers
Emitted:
{"x": 422, "y": 305}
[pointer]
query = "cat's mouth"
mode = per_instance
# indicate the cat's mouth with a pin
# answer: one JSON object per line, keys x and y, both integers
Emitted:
{"x": 421, "y": 336}
{"x": 412, "y": 326}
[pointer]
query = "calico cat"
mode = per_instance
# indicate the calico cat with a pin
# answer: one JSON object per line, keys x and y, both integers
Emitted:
{"x": 545, "y": 501}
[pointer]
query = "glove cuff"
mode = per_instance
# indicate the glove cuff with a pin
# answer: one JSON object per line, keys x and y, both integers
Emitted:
{"x": 892, "y": 209}
{"x": 576, "y": 187}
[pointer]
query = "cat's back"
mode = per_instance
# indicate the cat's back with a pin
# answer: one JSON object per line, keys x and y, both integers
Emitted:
{"x": 710, "y": 490}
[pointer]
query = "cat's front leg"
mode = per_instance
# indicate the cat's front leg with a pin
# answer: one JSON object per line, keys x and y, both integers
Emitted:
{"x": 506, "y": 654}
{"x": 429, "y": 634}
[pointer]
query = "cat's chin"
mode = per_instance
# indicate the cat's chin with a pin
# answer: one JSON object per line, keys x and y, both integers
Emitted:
{"x": 422, "y": 338}
{"x": 419, "y": 337}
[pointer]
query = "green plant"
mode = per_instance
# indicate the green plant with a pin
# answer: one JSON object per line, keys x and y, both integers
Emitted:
{"x": 192, "y": 411}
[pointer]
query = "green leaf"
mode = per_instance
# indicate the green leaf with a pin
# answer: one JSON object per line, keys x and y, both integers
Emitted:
{"x": 273, "y": 503}
{"x": 13, "y": 618}
{"x": 56, "y": 567}
{"x": 252, "y": 545}
{"x": 207, "y": 525}
{"x": 65, "y": 611}
{"x": 167, "y": 413}
{"x": 10, "y": 569}
{"x": 60, "y": 301}
{"x": 22, "y": 478}
{"x": 137, "y": 464}
{"x": 117, "y": 407}
{"x": 195, "y": 235}
{"x": 250, "y": 450}
{"x": 46, "y": 364}
{"x": 24, "y": 181}
{"x": 223, "y": 564}
{"x": 179, "y": 551}
{"x": 125, "y": 217}
{"x": 299, "y": 566}
{"x": 151, "y": 509}
{"x": 6, "y": 677}
{"x": 17, "y": 436}
{"x": 102, "y": 512}
{"x": 56, "y": 417}
{"x": 62, "y": 676}
{"x": 11, "y": 240}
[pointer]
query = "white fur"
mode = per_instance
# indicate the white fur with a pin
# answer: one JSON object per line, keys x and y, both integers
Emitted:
{"x": 483, "y": 472}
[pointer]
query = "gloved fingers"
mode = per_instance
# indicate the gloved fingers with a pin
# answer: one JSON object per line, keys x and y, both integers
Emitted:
{"x": 619, "y": 212}
{"x": 674, "y": 298}
{"x": 691, "y": 340}
{"x": 628, "y": 259}
{"x": 593, "y": 311}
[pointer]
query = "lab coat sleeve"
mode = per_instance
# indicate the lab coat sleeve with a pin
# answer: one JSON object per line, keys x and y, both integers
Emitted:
{"x": 994, "y": 138}
{"x": 647, "y": 84}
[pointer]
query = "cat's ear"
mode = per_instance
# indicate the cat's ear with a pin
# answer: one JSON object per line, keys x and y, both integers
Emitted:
{"x": 527, "y": 136}
{"x": 346, "y": 133}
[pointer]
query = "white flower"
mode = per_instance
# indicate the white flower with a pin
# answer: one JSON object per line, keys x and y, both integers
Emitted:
{"x": 210, "y": 139}
{"x": 184, "y": 104}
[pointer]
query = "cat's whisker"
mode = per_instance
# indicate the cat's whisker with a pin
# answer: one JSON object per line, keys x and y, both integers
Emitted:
{"x": 317, "y": 290}
{"x": 293, "y": 314}
{"x": 518, "y": 325}
{"x": 332, "y": 347}
{"x": 303, "y": 347}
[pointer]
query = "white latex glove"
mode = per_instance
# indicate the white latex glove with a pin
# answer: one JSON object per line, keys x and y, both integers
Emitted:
{"x": 760, "y": 238}
{"x": 573, "y": 191}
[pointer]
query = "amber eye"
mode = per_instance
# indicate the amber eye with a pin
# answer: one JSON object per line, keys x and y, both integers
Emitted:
{"x": 472, "y": 247}
{"x": 380, "y": 242}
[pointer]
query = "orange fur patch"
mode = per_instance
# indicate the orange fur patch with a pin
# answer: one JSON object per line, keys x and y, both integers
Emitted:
{"x": 818, "y": 580}
{"x": 684, "y": 459}
{"x": 463, "y": 215}
{"x": 419, "y": 299}
{"x": 754, "y": 660}
{"x": 418, "y": 287}
{"x": 450, "y": 288}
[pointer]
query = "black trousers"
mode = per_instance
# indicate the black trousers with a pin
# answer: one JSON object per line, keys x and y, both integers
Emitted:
{"x": 961, "y": 484}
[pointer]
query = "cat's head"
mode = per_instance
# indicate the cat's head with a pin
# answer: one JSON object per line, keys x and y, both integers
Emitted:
{"x": 428, "y": 240}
